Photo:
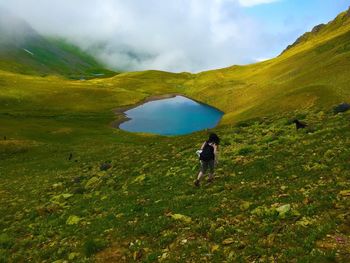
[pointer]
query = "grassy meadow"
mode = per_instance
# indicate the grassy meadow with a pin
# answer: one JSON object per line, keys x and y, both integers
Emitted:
{"x": 279, "y": 195}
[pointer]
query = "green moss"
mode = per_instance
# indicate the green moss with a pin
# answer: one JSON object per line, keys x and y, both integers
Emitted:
{"x": 6, "y": 242}
{"x": 92, "y": 246}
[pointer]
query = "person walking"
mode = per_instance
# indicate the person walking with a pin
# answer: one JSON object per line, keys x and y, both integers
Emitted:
{"x": 208, "y": 157}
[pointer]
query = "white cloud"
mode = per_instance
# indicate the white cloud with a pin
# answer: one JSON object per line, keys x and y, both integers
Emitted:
{"x": 261, "y": 59}
{"x": 172, "y": 35}
{"x": 249, "y": 3}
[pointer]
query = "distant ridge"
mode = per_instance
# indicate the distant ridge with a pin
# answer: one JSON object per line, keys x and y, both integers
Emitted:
{"x": 340, "y": 20}
{"x": 23, "y": 50}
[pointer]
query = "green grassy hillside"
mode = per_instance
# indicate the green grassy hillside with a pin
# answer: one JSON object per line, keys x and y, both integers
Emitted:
{"x": 279, "y": 195}
{"x": 23, "y": 50}
{"x": 311, "y": 72}
{"x": 314, "y": 72}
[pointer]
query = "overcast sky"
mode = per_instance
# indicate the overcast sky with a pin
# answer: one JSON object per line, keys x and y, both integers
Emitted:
{"x": 177, "y": 35}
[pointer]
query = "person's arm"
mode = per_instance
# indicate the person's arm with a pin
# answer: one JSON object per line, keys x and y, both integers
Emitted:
{"x": 215, "y": 152}
{"x": 203, "y": 146}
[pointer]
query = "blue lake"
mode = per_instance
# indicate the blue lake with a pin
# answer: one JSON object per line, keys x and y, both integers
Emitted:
{"x": 172, "y": 116}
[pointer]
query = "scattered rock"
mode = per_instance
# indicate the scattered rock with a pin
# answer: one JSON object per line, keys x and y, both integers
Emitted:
{"x": 245, "y": 205}
{"x": 214, "y": 248}
{"x": 73, "y": 255}
{"x": 137, "y": 255}
{"x": 57, "y": 186}
{"x": 305, "y": 221}
{"x": 299, "y": 124}
{"x": 183, "y": 218}
{"x": 94, "y": 181}
{"x": 105, "y": 166}
{"x": 139, "y": 179}
{"x": 344, "y": 193}
{"x": 282, "y": 210}
{"x": 73, "y": 220}
{"x": 228, "y": 241}
{"x": 343, "y": 107}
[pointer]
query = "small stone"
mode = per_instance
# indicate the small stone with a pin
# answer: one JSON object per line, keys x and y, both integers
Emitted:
{"x": 343, "y": 107}
{"x": 105, "y": 166}
{"x": 282, "y": 210}
{"x": 228, "y": 241}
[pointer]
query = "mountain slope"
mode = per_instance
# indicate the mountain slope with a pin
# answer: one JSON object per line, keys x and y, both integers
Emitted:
{"x": 23, "y": 50}
{"x": 323, "y": 31}
{"x": 312, "y": 72}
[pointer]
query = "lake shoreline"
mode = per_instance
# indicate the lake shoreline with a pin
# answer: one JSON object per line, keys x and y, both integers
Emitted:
{"x": 120, "y": 111}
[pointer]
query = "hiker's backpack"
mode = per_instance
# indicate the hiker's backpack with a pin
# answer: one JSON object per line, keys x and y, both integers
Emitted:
{"x": 207, "y": 153}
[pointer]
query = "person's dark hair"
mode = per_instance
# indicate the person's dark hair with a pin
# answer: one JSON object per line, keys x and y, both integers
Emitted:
{"x": 214, "y": 138}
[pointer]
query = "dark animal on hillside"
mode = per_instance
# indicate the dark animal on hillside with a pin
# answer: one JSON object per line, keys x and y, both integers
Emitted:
{"x": 341, "y": 108}
{"x": 299, "y": 124}
{"x": 70, "y": 156}
{"x": 4, "y": 138}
